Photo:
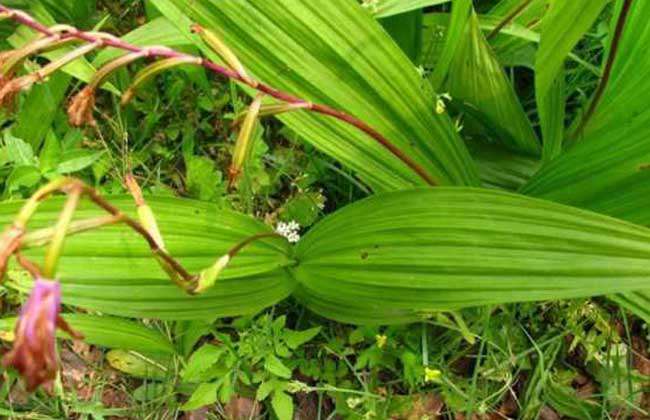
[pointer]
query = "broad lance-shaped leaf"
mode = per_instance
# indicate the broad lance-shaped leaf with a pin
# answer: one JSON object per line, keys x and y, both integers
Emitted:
{"x": 108, "y": 332}
{"x": 334, "y": 52}
{"x": 406, "y": 31}
{"x": 606, "y": 168}
{"x": 499, "y": 167}
{"x": 563, "y": 26}
{"x": 453, "y": 37}
{"x": 111, "y": 270}
{"x": 626, "y": 91}
{"x": 398, "y": 257}
{"x": 476, "y": 77}
{"x": 468, "y": 69}
{"x": 551, "y": 108}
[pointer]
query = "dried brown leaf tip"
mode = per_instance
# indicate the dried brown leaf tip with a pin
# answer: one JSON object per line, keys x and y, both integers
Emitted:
{"x": 9, "y": 244}
{"x": 8, "y": 91}
{"x": 80, "y": 110}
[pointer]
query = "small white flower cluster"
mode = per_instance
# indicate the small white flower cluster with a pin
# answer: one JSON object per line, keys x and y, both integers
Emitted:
{"x": 289, "y": 230}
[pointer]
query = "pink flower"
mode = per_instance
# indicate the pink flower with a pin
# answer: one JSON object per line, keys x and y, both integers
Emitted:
{"x": 34, "y": 351}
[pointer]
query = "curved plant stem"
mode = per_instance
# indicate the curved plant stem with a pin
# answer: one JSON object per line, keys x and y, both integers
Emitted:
{"x": 162, "y": 52}
{"x": 232, "y": 252}
{"x": 616, "y": 40}
{"x": 509, "y": 18}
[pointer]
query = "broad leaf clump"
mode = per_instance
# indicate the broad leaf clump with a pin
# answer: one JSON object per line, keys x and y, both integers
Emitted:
{"x": 475, "y": 160}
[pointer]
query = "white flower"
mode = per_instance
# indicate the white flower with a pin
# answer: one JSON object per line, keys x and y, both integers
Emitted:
{"x": 289, "y": 230}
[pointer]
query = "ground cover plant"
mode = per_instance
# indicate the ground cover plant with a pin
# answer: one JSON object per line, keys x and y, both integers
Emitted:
{"x": 398, "y": 209}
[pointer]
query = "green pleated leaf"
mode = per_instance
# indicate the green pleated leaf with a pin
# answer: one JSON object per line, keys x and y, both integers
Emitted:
{"x": 385, "y": 8}
{"x": 522, "y": 20}
{"x": 398, "y": 257}
{"x": 500, "y": 168}
{"x": 478, "y": 79}
{"x": 563, "y": 26}
{"x": 606, "y": 169}
{"x": 406, "y": 31}
{"x": 110, "y": 332}
{"x": 625, "y": 94}
{"x": 111, "y": 270}
{"x": 514, "y": 45}
{"x": 335, "y": 53}
{"x": 454, "y": 35}
{"x": 551, "y": 108}
{"x": 637, "y": 302}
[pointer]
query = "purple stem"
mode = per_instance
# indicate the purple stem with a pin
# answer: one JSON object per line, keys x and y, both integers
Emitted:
{"x": 161, "y": 52}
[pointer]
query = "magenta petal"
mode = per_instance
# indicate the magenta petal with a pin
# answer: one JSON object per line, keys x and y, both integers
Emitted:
{"x": 34, "y": 350}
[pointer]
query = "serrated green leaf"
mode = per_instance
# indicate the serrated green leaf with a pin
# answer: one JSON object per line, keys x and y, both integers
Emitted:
{"x": 201, "y": 361}
{"x": 282, "y": 404}
{"x": 18, "y": 151}
{"x": 203, "y": 180}
{"x": 264, "y": 390}
{"x": 50, "y": 155}
{"x": 205, "y": 394}
{"x": 23, "y": 176}
{"x": 276, "y": 367}
{"x": 295, "y": 339}
{"x": 77, "y": 159}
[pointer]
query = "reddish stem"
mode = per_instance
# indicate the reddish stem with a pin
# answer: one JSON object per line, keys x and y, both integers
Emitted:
{"x": 508, "y": 19}
{"x": 162, "y": 52}
{"x": 604, "y": 81}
